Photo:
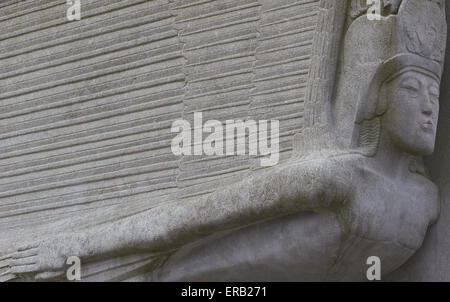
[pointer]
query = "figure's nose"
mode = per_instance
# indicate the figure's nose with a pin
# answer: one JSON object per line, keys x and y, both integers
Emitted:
{"x": 427, "y": 106}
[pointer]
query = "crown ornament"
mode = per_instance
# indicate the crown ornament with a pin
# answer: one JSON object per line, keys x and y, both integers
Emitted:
{"x": 423, "y": 29}
{"x": 410, "y": 26}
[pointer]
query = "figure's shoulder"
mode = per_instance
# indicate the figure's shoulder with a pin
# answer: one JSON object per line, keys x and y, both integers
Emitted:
{"x": 328, "y": 167}
{"x": 331, "y": 158}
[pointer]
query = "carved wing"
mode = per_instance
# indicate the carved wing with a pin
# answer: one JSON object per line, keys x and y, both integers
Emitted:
{"x": 86, "y": 106}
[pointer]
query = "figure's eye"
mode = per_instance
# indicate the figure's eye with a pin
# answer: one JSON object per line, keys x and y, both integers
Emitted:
{"x": 434, "y": 97}
{"x": 412, "y": 90}
{"x": 434, "y": 94}
{"x": 411, "y": 86}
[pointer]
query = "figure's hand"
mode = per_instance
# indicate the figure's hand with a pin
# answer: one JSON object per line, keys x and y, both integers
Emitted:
{"x": 39, "y": 261}
{"x": 5, "y": 269}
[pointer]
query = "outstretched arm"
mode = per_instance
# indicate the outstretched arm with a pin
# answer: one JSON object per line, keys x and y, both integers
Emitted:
{"x": 298, "y": 186}
{"x": 304, "y": 186}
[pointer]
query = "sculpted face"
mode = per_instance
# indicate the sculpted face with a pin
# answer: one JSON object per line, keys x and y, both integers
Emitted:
{"x": 411, "y": 117}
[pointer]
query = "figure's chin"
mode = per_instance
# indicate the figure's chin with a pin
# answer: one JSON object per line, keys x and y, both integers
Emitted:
{"x": 422, "y": 145}
{"x": 425, "y": 149}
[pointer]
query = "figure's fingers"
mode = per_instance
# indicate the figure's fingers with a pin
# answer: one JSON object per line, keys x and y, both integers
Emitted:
{"x": 7, "y": 277}
{"x": 24, "y": 261}
{"x": 25, "y": 253}
{"x": 28, "y": 247}
{"x": 5, "y": 271}
{"x": 23, "y": 269}
{"x": 49, "y": 275}
{"x": 32, "y": 251}
{"x": 5, "y": 263}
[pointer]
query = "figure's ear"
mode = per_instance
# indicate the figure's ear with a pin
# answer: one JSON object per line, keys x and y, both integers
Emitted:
{"x": 384, "y": 95}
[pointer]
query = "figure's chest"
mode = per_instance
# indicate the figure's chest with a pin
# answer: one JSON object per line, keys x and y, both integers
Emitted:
{"x": 392, "y": 212}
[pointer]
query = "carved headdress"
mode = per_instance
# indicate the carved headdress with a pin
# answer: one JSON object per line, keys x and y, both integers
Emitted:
{"x": 413, "y": 36}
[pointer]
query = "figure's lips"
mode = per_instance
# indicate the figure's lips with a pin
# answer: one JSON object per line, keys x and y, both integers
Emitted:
{"x": 428, "y": 125}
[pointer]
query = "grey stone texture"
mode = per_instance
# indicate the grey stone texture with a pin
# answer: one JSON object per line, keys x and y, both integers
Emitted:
{"x": 87, "y": 169}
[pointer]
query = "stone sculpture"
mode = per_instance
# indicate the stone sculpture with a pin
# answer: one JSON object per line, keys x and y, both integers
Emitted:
{"x": 355, "y": 187}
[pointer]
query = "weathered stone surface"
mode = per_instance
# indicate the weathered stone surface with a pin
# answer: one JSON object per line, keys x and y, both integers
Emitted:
{"x": 85, "y": 141}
